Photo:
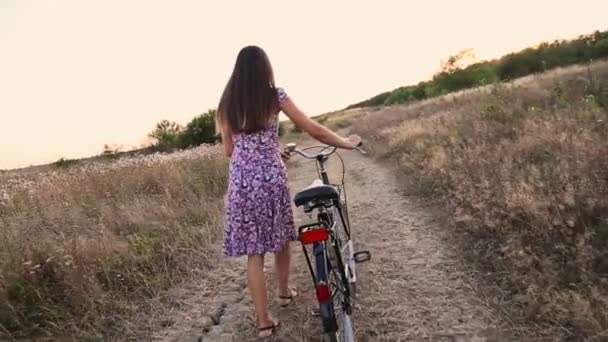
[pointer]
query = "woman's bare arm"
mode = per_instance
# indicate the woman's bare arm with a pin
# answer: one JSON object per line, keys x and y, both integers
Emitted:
{"x": 316, "y": 130}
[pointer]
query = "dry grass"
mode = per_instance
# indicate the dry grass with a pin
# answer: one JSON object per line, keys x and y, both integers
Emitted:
{"x": 333, "y": 120}
{"x": 340, "y": 120}
{"x": 523, "y": 168}
{"x": 81, "y": 246}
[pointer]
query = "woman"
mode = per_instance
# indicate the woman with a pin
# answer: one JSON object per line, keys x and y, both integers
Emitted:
{"x": 259, "y": 218}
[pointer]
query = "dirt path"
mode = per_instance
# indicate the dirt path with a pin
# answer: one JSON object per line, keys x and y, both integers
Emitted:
{"x": 415, "y": 288}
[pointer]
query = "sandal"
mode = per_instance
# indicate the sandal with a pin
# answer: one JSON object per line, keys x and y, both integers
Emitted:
{"x": 292, "y": 294}
{"x": 272, "y": 328}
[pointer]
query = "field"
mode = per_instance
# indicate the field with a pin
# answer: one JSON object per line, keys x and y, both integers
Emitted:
{"x": 523, "y": 170}
{"x": 88, "y": 248}
{"x": 84, "y": 246}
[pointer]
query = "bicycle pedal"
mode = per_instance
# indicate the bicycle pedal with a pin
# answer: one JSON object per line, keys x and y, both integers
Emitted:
{"x": 362, "y": 256}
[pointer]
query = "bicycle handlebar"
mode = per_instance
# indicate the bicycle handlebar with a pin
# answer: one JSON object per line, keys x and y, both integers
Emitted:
{"x": 291, "y": 148}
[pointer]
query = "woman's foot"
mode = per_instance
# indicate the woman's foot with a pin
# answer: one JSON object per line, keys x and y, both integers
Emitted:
{"x": 287, "y": 298}
{"x": 268, "y": 328}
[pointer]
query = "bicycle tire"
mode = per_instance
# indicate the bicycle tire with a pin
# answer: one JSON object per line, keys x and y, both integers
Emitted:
{"x": 333, "y": 337}
{"x": 326, "y": 309}
{"x": 345, "y": 290}
{"x": 344, "y": 236}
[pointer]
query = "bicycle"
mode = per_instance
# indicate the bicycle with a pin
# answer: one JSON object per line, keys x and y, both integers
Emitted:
{"x": 329, "y": 238}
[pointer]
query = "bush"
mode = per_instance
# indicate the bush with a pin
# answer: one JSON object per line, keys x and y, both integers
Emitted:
{"x": 282, "y": 128}
{"x": 64, "y": 163}
{"x": 166, "y": 134}
{"x": 201, "y": 130}
{"x": 528, "y": 61}
{"x": 110, "y": 151}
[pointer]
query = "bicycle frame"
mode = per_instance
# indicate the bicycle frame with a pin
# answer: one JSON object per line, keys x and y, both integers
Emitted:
{"x": 333, "y": 275}
{"x": 330, "y": 226}
{"x": 322, "y": 167}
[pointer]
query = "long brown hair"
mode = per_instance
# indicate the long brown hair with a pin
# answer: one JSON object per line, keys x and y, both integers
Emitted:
{"x": 249, "y": 99}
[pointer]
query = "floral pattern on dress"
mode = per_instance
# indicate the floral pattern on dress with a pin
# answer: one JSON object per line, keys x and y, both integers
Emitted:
{"x": 259, "y": 216}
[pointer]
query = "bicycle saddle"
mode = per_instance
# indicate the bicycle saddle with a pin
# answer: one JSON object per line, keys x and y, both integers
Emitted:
{"x": 317, "y": 191}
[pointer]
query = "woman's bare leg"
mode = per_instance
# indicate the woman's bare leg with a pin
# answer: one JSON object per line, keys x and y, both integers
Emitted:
{"x": 282, "y": 260}
{"x": 257, "y": 289}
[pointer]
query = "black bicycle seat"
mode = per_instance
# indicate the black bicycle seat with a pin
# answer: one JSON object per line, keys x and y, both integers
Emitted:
{"x": 317, "y": 191}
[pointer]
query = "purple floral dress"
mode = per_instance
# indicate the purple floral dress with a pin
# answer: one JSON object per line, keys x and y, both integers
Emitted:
{"x": 259, "y": 218}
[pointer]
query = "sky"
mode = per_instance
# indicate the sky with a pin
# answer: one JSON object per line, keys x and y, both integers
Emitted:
{"x": 78, "y": 74}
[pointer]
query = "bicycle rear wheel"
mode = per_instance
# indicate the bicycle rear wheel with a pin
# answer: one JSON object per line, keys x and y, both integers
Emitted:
{"x": 332, "y": 270}
{"x": 342, "y": 294}
{"x": 346, "y": 334}
{"x": 342, "y": 234}
{"x": 342, "y": 287}
{"x": 327, "y": 310}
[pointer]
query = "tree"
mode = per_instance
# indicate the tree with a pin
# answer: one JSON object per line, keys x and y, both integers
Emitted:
{"x": 201, "y": 130}
{"x": 458, "y": 61}
{"x": 462, "y": 70}
{"x": 166, "y": 134}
